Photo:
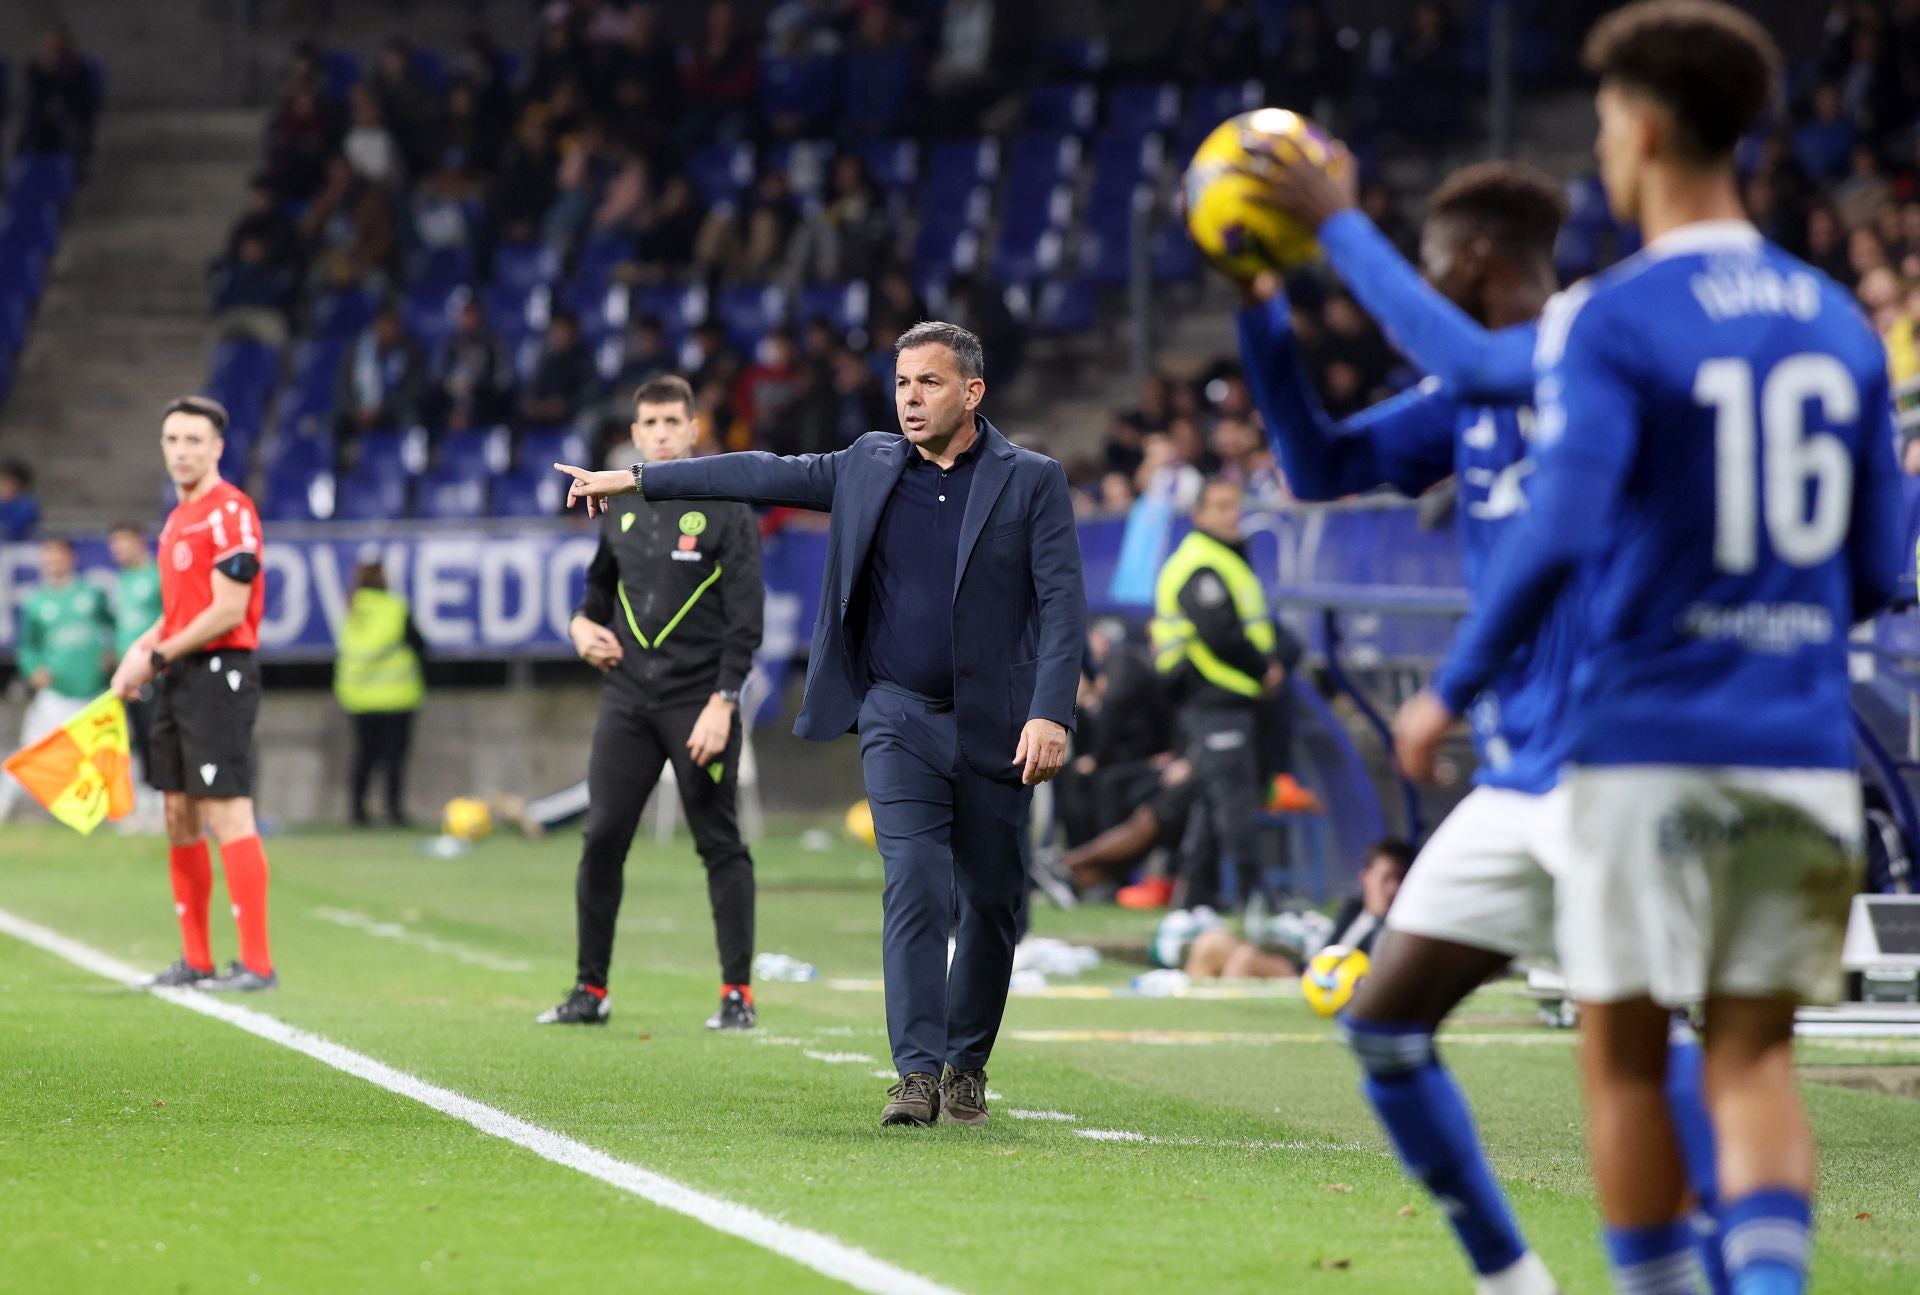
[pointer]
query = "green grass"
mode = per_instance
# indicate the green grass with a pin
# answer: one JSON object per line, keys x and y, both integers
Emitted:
{"x": 144, "y": 1148}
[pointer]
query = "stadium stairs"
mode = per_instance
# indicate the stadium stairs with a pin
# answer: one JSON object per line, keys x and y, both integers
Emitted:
{"x": 123, "y": 324}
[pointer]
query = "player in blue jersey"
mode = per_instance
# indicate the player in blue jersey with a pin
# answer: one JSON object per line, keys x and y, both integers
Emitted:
{"x": 1714, "y": 445}
{"x": 1484, "y": 894}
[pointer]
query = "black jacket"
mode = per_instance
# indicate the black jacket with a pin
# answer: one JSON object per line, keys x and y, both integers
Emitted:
{"x": 1216, "y": 623}
{"x": 689, "y": 621}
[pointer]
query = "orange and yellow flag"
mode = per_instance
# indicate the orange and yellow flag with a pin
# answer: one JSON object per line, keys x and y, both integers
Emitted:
{"x": 82, "y": 771}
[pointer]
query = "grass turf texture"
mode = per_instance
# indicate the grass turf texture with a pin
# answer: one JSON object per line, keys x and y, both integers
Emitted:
{"x": 128, "y": 1125}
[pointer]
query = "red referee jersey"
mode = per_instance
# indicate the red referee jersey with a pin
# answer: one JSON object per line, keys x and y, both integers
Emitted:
{"x": 212, "y": 528}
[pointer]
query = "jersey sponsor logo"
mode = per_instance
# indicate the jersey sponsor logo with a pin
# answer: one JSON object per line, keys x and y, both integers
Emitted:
{"x": 182, "y": 555}
{"x": 693, "y": 523}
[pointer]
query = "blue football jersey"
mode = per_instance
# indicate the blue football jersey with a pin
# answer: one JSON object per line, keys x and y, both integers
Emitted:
{"x": 1411, "y": 443}
{"x": 1715, "y": 461}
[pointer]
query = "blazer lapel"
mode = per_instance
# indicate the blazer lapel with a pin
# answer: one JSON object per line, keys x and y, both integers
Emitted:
{"x": 990, "y": 476}
{"x": 869, "y": 500}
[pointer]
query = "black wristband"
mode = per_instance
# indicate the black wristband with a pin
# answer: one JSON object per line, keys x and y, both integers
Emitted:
{"x": 159, "y": 661}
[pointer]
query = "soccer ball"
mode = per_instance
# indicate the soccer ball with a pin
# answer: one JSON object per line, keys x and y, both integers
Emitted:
{"x": 467, "y": 818}
{"x": 1330, "y": 978}
{"x": 859, "y": 822}
{"x": 1239, "y": 235}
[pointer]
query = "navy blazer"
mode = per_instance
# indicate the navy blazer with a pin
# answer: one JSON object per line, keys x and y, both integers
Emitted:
{"x": 1019, "y": 606}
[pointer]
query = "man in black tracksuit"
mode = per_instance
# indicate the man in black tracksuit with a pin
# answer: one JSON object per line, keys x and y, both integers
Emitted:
{"x": 671, "y": 616}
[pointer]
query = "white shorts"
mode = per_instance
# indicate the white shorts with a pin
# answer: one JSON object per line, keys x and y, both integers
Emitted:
{"x": 1687, "y": 881}
{"x": 1485, "y": 877}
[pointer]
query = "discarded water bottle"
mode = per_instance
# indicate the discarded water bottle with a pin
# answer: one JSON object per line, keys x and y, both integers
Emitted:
{"x": 779, "y": 966}
{"x": 1165, "y": 983}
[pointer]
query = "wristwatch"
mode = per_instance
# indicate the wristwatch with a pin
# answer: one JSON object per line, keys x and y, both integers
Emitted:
{"x": 158, "y": 660}
{"x": 731, "y": 696}
{"x": 636, "y": 478}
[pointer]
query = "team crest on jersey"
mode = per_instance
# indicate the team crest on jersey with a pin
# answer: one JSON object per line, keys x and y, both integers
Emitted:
{"x": 693, "y": 523}
{"x": 182, "y": 555}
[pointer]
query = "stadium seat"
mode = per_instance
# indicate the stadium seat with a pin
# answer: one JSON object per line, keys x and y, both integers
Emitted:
{"x": 442, "y": 267}
{"x": 751, "y": 311}
{"x": 243, "y": 373}
{"x": 292, "y": 497}
{"x": 1067, "y": 107}
{"x": 385, "y": 452}
{"x": 516, "y": 313}
{"x": 530, "y": 492}
{"x": 1121, "y": 162}
{"x": 1209, "y": 105}
{"x": 339, "y": 316}
{"x": 894, "y": 164}
{"x": 1106, "y": 234}
{"x": 805, "y": 162}
{"x": 430, "y": 65}
{"x": 1040, "y": 159}
{"x": 721, "y": 173}
{"x": 343, "y": 72}
{"x": 1031, "y": 235}
{"x": 316, "y": 368}
{"x": 602, "y": 308}
{"x": 844, "y": 305}
{"x": 524, "y": 266}
{"x": 1063, "y": 306}
{"x": 370, "y": 497}
{"x": 1074, "y": 55}
{"x": 955, "y": 168}
{"x": 678, "y": 309}
{"x": 1175, "y": 258}
{"x": 1141, "y": 107}
{"x": 430, "y": 311}
{"x": 802, "y": 90}
{"x": 448, "y": 494}
{"x": 542, "y": 447}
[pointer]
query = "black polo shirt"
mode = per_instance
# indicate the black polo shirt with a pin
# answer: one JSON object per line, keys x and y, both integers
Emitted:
{"x": 909, "y": 622}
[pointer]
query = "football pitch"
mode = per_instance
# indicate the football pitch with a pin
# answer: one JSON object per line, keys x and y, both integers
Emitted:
{"x": 414, "y": 1130}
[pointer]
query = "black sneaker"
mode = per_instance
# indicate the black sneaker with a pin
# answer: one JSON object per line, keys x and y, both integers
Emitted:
{"x": 916, "y": 1101}
{"x": 963, "y": 1096}
{"x": 181, "y": 975}
{"x": 735, "y": 1013}
{"x": 581, "y": 1008}
{"x": 239, "y": 978}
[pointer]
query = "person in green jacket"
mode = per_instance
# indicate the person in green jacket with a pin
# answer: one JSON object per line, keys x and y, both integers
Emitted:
{"x": 379, "y": 681}
{"x": 65, "y": 650}
{"x": 136, "y": 607}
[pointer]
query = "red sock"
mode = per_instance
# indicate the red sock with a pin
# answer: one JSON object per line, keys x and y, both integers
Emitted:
{"x": 246, "y": 866}
{"x": 191, "y": 869}
{"x": 598, "y": 991}
{"x": 746, "y": 992}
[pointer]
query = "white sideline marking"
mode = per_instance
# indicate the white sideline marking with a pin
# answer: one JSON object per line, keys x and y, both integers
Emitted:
{"x": 823, "y": 1254}
{"x": 1207, "y": 1038}
{"x": 1164, "y": 1140}
{"x": 1062, "y": 1116}
{"x": 420, "y": 939}
{"x": 839, "y": 1058}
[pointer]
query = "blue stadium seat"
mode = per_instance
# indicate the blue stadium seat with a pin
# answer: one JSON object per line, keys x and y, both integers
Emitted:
{"x": 1068, "y": 107}
{"x": 243, "y": 373}
{"x": 1121, "y": 162}
{"x": 1063, "y": 306}
{"x": 370, "y": 497}
{"x": 525, "y": 266}
{"x": 602, "y": 308}
{"x": 450, "y": 495}
{"x": 894, "y": 164}
{"x": 678, "y": 309}
{"x": 339, "y": 316}
{"x": 802, "y": 90}
{"x": 955, "y": 168}
{"x": 602, "y": 256}
{"x": 343, "y": 72}
{"x": 844, "y": 305}
{"x": 941, "y": 248}
{"x": 1175, "y": 258}
{"x": 542, "y": 447}
{"x": 1138, "y": 108}
{"x": 386, "y": 452}
{"x": 300, "y": 456}
{"x": 751, "y": 311}
{"x": 442, "y": 267}
{"x": 1074, "y": 55}
{"x": 316, "y": 368}
{"x": 721, "y": 172}
{"x": 236, "y": 455}
{"x": 1041, "y": 158}
{"x": 430, "y": 311}
{"x": 1031, "y": 235}
{"x": 430, "y": 65}
{"x": 291, "y": 495}
{"x": 516, "y": 313}
{"x": 531, "y": 492}
{"x": 1105, "y": 250}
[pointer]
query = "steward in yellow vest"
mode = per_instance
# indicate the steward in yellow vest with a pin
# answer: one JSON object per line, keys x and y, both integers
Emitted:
{"x": 1216, "y": 645}
{"x": 379, "y": 681}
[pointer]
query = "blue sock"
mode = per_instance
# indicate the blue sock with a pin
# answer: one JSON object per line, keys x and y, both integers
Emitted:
{"x": 1426, "y": 1117}
{"x": 1655, "y": 1260}
{"x": 1765, "y": 1236}
{"x": 1690, "y": 1121}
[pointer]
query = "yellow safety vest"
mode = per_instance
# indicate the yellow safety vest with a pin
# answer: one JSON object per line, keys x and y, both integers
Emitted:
{"x": 1174, "y": 639}
{"x": 376, "y": 671}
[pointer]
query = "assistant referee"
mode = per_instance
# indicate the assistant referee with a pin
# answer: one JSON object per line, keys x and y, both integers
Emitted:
{"x": 671, "y": 617}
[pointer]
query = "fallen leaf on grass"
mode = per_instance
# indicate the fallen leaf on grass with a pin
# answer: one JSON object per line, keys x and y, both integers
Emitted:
{"x": 1335, "y": 1263}
{"x": 1864, "y": 1214}
{"x": 1338, "y": 1189}
{"x": 1405, "y": 1211}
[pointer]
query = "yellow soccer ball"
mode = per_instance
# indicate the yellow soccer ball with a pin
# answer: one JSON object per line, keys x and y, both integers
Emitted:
{"x": 1237, "y": 234}
{"x": 859, "y": 822}
{"x": 467, "y": 818}
{"x": 1329, "y": 980}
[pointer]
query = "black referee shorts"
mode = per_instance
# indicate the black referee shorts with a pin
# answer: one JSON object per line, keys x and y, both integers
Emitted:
{"x": 204, "y": 708}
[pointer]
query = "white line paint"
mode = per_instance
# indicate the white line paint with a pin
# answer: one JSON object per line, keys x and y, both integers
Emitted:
{"x": 401, "y": 932}
{"x": 1165, "y": 1140}
{"x": 839, "y": 1058}
{"x": 1208, "y": 1038}
{"x": 1060, "y": 1116}
{"x": 815, "y": 1250}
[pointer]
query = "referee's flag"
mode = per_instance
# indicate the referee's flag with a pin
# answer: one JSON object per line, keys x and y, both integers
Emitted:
{"x": 82, "y": 771}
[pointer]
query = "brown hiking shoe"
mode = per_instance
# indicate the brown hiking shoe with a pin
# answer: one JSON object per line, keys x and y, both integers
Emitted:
{"x": 916, "y": 1100}
{"x": 963, "y": 1096}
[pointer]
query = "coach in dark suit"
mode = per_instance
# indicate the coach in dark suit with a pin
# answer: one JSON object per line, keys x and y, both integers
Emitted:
{"x": 950, "y": 634}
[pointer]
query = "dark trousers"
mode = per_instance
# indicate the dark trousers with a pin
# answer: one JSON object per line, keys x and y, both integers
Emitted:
{"x": 950, "y": 839}
{"x": 380, "y": 741}
{"x": 1222, "y": 744}
{"x": 1090, "y": 803}
{"x": 630, "y": 747}
{"x": 140, "y": 726}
